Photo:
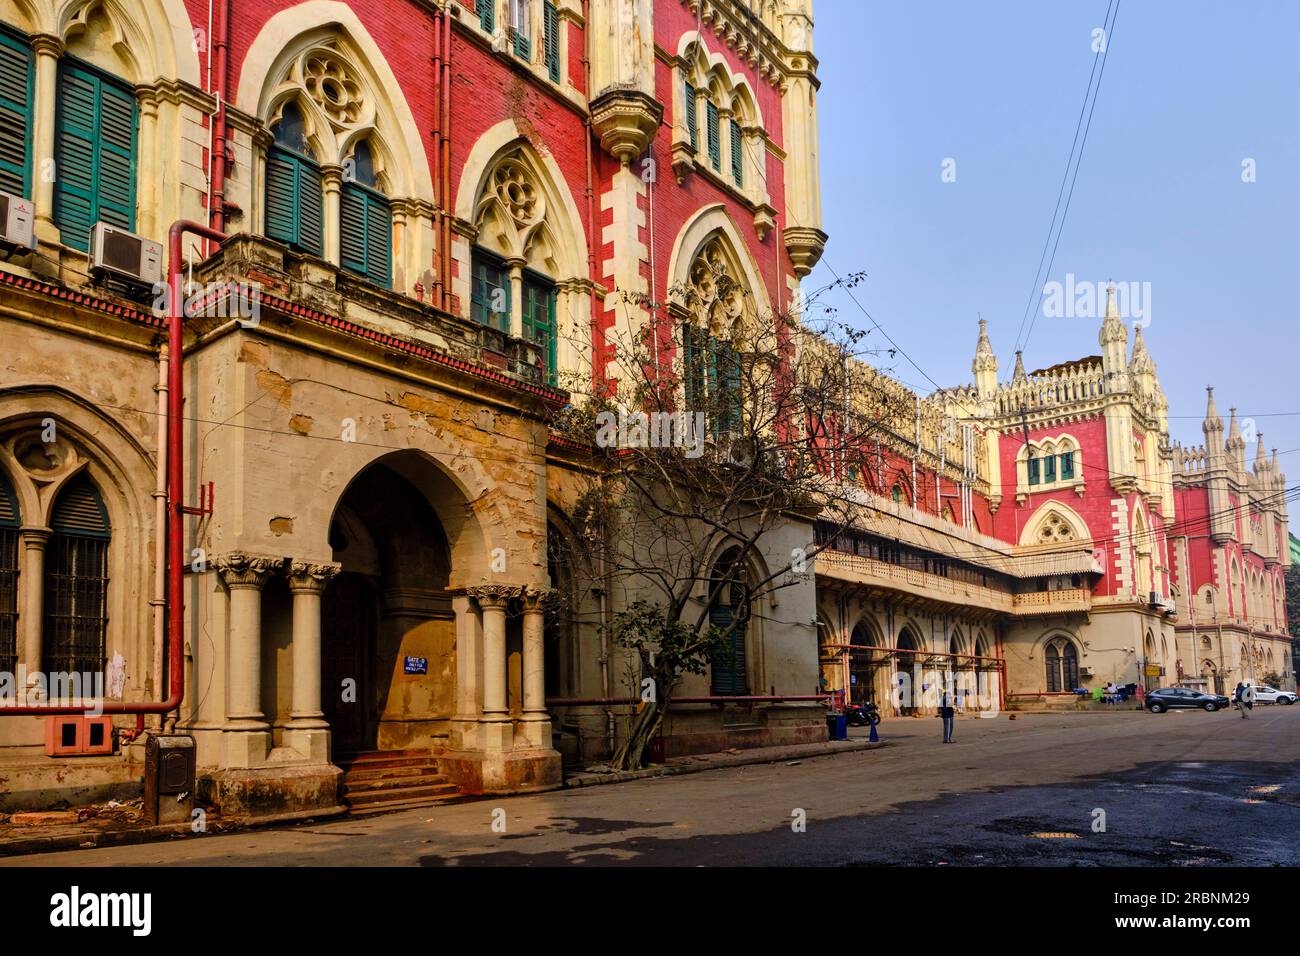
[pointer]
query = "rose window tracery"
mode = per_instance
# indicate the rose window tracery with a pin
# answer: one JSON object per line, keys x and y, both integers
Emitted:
{"x": 517, "y": 192}
{"x": 333, "y": 85}
{"x": 1055, "y": 528}
{"x": 716, "y": 296}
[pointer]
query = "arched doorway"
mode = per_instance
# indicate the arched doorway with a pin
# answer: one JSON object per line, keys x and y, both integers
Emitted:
{"x": 868, "y": 666}
{"x": 908, "y": 692}
{"x": 387, "y": 636}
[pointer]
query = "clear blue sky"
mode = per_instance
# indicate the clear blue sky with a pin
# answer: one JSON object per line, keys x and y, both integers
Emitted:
{"x": 1191, "y": 88}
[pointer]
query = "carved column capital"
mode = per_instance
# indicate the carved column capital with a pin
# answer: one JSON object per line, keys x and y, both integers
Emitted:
{"x": 535, "y": 597}
{"x": 240, "y": 570}
{"x": 493, "y": 595}
{"x": 308, "y": 577}
{"x": 46, "y": 44}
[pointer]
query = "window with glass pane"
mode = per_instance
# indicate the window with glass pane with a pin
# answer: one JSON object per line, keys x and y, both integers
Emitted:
{"x": 490, "y": 290}
{"x": 1033, "y": 465}
{"x": 1049, "y": 469}
{"x": 1067, "y": 465}
{"x": 539, "y": 319}
{"x": 76, "y": 581}
{"x": 294, "y": 211}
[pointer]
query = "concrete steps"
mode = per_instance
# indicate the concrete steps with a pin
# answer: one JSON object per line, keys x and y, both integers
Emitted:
{"x": 382, "y": 781}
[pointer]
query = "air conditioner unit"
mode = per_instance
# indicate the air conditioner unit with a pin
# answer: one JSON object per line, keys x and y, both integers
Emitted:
{"x": 124, "y": 255}
{"x": 16, "y": 218}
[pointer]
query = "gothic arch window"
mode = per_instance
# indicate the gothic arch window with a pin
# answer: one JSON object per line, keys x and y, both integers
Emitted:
{"x": 730, "y": 612}
{"x": 515, "y": 263}
{"x": 1061, "y": 660}
{"x": 76, "y": 580}
{"x": 10, "y": 521}
{"x": 1051, "y": 462}
{"x": 294, "y": 212}
{"x": 365, "y": 219}
{"x": 716, "y": 304}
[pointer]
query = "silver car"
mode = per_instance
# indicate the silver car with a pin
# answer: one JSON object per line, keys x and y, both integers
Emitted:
{"x": 1271, "y": 695}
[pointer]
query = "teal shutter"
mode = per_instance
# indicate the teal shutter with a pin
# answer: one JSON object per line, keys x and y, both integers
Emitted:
{"x": 366, "y": 234}
{"x": 16, "y": 94}
{"x": 487, "y": 276}
{"x": 1032, "y": 465}
{"x": 551, "y": 39}
{"x": 692, "y": 367}
{"x": 715, "y": 144}
{"x": 728, "y": 665}
{"x": 95, "y": 141}
{"x": 1049, "y": 468}
{"x": 539, "y": 321}
{"x": 737, "y": 144}
{"x": 294, "y": 201}
{"x": 1067, "y": 465}
{"x": 692, "y": 122}
{"x": 486, "y": 15}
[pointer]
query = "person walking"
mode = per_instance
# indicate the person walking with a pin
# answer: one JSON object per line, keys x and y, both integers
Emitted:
{"x": 947, "y": 712}
{"x": 1247, "y": 700}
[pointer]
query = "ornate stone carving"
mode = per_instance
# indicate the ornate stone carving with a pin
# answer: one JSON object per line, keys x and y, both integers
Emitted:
{"x": 805, "y": 245}
{"x": 332, "y": 83}
{"x": 493, "y": 595}
{"x": 625, "y": 120}
{"x": 240, "y": 570}
{"x": 305, "y": 576}
{"x": 536, "y": 597}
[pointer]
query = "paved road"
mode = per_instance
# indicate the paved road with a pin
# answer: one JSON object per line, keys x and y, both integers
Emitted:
{"x": 1177, "y": 789}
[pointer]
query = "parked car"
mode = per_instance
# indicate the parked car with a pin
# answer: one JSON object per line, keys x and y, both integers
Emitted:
{"x": 1158, "y": 701}
{"x": 1271, "y": 695}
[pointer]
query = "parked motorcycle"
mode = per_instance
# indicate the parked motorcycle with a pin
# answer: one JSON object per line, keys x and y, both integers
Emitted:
{"x": 862, "y": 715}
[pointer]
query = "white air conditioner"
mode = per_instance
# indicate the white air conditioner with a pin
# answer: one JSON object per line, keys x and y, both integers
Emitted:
{"x": 124, "y": 255}
{"x": 16, "y": 218}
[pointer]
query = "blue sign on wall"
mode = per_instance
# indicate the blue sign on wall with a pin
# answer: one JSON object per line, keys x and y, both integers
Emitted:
{"x": 417, "y": 665}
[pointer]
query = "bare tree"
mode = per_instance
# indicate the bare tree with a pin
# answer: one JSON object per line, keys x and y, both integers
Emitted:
{"x": 726, "y": 426}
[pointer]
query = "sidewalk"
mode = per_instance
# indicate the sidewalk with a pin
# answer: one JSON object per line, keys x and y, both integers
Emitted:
{"x": 122, "y": 824}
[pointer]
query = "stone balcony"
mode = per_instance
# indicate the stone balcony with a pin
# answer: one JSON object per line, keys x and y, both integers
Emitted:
{"x": 885, "y": 579}
{"x": 300, "y": 286}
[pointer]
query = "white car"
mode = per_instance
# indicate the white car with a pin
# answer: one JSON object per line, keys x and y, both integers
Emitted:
{"x": 1271, "y": 695}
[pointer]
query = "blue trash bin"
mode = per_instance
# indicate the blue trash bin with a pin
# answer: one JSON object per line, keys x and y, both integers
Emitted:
{"x": 837, "y": 726}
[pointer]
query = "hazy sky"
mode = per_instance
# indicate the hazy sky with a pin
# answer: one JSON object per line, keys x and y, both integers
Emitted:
{"x": 1190, "y": 90}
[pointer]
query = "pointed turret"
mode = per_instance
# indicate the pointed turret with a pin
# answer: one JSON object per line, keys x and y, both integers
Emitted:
{"x": 1141, "y": 366}
{"x": 985, "y": 365}
{"x": 1261, "y": 457}
{"x": 1018, "y": 376}
{"x": 1236, "y": 446}
{"x": 1216, "y": 471}
{"x": 1113, "y": 338}
{"x": 1213, "y": 424}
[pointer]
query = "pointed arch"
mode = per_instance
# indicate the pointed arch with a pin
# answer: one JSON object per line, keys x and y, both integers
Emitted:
{"x": 140, "y": 40}
{"x": 322, "y": 49}
{"x": 1054, "y": 523}
{"x": 712, "y": 224}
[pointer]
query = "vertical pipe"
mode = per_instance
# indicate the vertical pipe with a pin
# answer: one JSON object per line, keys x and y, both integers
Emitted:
{"x": 220, "y": 46}
{"x": 159, "y": 600}
{"x": 445, "y": 172}
{"x": 439, "y": 212}
{"x": 597, "y": 334}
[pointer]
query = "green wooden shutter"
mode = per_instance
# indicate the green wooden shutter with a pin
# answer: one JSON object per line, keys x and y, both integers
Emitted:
{"x": 1032, "y": 466}
{"x": 539, "y": 322}
{"x": 294, "y": 201}
{"x": 366, "y": 233}
{"x": 80, "y": 510}
{"x": 95, "y": 142}
{"x": 692, "y": 122}
{"x": 16, "y": 94}
{"x": 486, "y": 14}
{"x": 728, "y": 666}
{"x": 487, "y": 275}
{"x": 715, "y": 145}
{"x": 551, "y": 40}
{"x": 1067, "y": 465}
{"x": 1049, "y": 468}
{"x": 737, "y": 145}
{"x": 692, "y": 367}
{"x": 9, "y": 513}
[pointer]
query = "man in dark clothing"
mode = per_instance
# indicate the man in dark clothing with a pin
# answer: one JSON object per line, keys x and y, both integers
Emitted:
{"x": 947, "y": 712}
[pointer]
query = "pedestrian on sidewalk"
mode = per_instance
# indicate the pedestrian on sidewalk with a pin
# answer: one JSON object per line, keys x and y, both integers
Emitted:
{"x": 947, "y": 712}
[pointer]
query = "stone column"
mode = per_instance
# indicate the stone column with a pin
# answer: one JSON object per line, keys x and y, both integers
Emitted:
{"x": 536, "y": 720}
{"x": 46, "y": 50}
{"x": 469, "y": 674}
{"x": 33, "y": 611}
{"x": 248, "y": 737}
{"x": 307, "y": 731}
{"x": 332, "y": 215}
{"x": 516, "y": 267}
{"x": 492, "y": 599}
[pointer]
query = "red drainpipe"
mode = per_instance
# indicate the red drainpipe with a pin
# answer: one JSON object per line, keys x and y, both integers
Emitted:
{"x": 445, "y": 170}
{"x": 175, "y": 505}
{"x": 220, "y": 47}
{"x": 436, "y": 293}
{"x": 597, "y": 333}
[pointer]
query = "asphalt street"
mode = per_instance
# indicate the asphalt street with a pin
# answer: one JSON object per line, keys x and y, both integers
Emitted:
{"x": 1178, "y": 789}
